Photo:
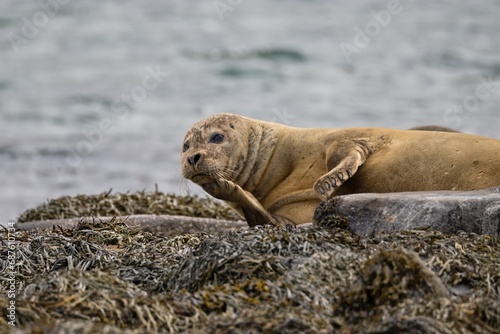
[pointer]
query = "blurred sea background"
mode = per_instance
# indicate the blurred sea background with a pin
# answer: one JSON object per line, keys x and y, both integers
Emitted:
{"x": 79, "y": 114}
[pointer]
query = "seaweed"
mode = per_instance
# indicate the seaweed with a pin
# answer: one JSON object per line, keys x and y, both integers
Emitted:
{"x": 110, "y": 278}
{"x": 125, "y": 204}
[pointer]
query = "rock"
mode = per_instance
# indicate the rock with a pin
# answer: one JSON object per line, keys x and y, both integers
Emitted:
{"x": 446, "y": 211}
{"x": 163, "y": 224}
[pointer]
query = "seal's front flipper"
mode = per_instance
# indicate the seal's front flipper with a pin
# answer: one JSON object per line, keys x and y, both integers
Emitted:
{"x": 254, "y": 212}
{"x": 342, "y": 160}
{"x": 257, "y": 217}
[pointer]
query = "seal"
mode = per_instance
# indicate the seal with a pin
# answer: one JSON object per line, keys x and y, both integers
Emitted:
{"x": 272, "y": 173}
{"x": 434, "y": 128}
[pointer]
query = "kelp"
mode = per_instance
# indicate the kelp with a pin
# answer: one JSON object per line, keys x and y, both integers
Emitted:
{"x": 110, "y": 277}
{"x": 108, "y": 204}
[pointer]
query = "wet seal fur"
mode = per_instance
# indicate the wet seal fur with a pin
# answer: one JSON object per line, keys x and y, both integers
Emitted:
{"x": 272, "y": 173}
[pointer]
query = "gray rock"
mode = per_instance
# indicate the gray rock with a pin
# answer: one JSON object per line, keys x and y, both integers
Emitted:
{"x": 163, "y": 224}
{"x": 445, "y": 211}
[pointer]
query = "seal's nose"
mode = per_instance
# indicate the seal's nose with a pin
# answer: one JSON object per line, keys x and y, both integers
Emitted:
{"x": 195, "y": 159}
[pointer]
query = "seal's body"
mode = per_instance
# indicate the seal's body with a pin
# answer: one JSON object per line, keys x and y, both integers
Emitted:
{"x": 278, "y": 174}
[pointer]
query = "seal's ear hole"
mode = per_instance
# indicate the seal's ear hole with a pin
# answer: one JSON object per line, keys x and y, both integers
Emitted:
{"x": 216, "y": 138}
{"x": 231, "y": 125}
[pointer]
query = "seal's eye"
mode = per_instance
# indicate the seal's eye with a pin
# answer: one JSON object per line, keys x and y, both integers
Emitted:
{"x": 216, "y": 138}
{"x": 185, "y": 147}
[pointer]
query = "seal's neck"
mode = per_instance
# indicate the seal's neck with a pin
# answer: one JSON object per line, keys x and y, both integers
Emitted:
{"x": 261, "y": 147}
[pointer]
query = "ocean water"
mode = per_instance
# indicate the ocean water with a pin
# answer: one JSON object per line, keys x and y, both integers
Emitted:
{"x": 99, "y": 94}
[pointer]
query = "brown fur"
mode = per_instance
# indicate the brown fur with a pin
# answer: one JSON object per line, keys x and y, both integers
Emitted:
{"x": 277, "y": 174}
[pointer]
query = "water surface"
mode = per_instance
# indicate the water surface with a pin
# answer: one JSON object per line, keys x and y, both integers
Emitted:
{"x": 274, "y": 60}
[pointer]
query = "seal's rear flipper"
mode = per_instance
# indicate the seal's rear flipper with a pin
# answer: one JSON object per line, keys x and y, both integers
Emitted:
{"x": 433, "y": 128}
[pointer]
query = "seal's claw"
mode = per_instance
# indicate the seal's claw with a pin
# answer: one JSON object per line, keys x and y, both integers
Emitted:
{"x": 221, "y": 188}
{"x": 334, "y": 182}
{"x": 324, "y": 187}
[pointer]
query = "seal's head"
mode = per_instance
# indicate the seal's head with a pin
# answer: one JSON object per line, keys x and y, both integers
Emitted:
{"x": 215, "y": 147}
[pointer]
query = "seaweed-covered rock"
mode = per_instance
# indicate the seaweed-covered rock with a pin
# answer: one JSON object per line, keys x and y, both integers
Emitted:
{"x": 107, "y": 204}
{"x": 108, "y": 277}
{"x": 446, "y": 211}
{"x": 160, "y": 224}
